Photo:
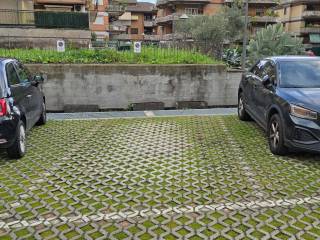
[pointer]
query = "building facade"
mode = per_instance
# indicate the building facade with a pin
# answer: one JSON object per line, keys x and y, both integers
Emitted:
{"x": 261, "y": 14}
{"x": 135, "y": 21}
{"x": 99, "y": 18}
{"x": 171, "y": 11}
{"x": 302, "y": 19}
{"x": 39, "y": 23}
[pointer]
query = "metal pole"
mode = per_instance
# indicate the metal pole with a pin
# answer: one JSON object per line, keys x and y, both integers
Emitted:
{"x": 17, "y": 3}
{"x": 245, "y": 36}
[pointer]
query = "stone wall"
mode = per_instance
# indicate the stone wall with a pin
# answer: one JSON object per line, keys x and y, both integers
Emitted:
{"x": 117, "y": 86}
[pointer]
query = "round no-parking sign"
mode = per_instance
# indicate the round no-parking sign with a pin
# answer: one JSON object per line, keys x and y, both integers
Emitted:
{"x": 137, "y": 47}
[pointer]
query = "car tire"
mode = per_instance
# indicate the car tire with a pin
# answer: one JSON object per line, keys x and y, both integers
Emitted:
{"x": 43, "y": 117}
{"x": 276, "y": 136}
{"x": 18, "y": 148}
{"x": 242, "y": 113}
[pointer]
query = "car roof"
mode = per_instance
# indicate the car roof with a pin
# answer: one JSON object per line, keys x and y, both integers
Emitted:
{"x": 293, "y": 58}
{"x": 5, "y": 60}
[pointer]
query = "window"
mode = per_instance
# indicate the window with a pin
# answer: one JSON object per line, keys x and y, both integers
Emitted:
{"x": 259, "y": 12}
{"x": 134, "y": 31}
{"x": 23, "y": 73}
{"x": 300, "y": 74}
{"x": 147, "y": 17}
{"x": 12, "y": 75}
{"x": 193, "y": 11}
{"x": 257, "y": 69}
{"x": 270, "y": 70}
{"x": 285, "y": 11}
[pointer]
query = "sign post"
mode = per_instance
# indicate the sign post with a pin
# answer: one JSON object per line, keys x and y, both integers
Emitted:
{"x": 137, "y": 47}
{"x": 61, "y": 46}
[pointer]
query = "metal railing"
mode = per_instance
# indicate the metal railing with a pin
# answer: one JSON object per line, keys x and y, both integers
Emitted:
{"x": 115, "y": 8}
{"x": 311, "y": 14}
{"x": 11, "y": 17}
{"x": 310, "y": 29}
{"x": 263, "y": 19}
{"x": 44, "y": 19}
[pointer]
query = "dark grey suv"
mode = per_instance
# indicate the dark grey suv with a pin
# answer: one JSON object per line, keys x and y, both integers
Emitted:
{"x": 282, "y": 94}
{"x": 22, "y": 105}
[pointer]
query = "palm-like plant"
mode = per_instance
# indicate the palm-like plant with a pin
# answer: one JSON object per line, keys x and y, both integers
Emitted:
{"x": 273, "y": 41}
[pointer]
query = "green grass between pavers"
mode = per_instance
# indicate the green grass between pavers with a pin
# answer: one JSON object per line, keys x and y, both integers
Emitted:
{"x": 83, "y": 167}
{"x": 149, "y": 55}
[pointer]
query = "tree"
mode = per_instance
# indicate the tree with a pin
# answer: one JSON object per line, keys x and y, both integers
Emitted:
{"x": 273, "y": 41}
{"x": 214, "y": 31}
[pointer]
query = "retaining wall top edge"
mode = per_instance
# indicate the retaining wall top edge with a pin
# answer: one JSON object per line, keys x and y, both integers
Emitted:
{"x": 126, "y": 65}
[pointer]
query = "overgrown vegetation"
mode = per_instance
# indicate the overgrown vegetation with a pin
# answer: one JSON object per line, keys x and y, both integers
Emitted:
{"x": 217, "y": 30}
{"x": 149, "y": 55}
{"x": 232, "y": 57}
{"x": 273, "y": 41}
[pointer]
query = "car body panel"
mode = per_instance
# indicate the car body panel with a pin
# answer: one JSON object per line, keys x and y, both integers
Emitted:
{"x": 25, "y": 102}
{"x": 267, "y": 100}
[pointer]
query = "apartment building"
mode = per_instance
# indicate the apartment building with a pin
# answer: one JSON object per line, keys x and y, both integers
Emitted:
{"x": 261, "y": 13}
{"x": 9, "y": 12}
{"x": 99, "y": 18}
{"x": 302, "y": 19}
{"x": 171, "y": 11}
{"x": 39, "y": 23}
{"x": 135, "y": 21}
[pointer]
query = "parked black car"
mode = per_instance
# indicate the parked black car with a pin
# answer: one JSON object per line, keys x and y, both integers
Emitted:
{"x": 282, "y": 94}
{"x": 22, "y": 105}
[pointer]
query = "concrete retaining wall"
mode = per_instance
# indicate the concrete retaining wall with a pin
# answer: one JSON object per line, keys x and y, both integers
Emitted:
{"x": 117, "y": 86}
{"x": 42, "y": 38}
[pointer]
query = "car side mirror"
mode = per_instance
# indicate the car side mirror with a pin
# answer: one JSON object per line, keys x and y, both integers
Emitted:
{"x": 38, "y": 78}
{"x": 266, "y": 81}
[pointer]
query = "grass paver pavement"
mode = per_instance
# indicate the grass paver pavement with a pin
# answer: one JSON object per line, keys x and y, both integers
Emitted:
{"x": 139, "y": 178}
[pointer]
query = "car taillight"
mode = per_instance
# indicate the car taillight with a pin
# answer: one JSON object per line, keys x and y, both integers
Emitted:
{"x": 3, "y": 107}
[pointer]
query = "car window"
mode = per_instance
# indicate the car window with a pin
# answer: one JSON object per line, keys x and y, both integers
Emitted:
{"x": 12, "y": 75}
{"x": 23, "y": 73}
{"x": 270, "y": 69}
{"x": 258, "y": 68}
{"x": 300, "y": 74}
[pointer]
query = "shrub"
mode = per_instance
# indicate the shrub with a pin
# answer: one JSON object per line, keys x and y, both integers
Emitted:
{"x": 149, "y": 55}
{"x": 273, "y": 41}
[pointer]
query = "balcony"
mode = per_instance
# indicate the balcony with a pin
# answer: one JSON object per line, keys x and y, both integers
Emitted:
{"x": 311, "y": 29}
{"x": 116, "y": 9}
{"x": 166, "y": 2}
{"x": 257, "y": 1}
{"x": 263, "y": 19}
{"x": 167, "y": 19}
{"x": 311, "y": 14}
{"x": 152, "y": 37}
{"x": 81, "y": 2}
{"x": 22, "y": 18}
{"x": 149, "y": 23}
{"x": 115, "y": 28}
{"x": 45, "y": 19}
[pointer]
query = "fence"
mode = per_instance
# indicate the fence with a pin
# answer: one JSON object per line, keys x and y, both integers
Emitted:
{"x": 45, "y": 19}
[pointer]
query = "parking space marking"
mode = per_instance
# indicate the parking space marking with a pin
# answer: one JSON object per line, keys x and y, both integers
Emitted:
{"x": 231, "y": 206}
{"x": 149, "y": 113}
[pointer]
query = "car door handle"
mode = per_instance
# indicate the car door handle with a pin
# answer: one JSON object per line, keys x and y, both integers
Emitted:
{"x": 29, "y": 96}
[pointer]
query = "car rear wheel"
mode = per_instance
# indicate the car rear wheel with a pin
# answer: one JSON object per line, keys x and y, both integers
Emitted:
{"x": 242, "y": 113}
{"x": 18, "y": 149}
{"x": 43, "y": 117}
{"x": 276, "y": 136}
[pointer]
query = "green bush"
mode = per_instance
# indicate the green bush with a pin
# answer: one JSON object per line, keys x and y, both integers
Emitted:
{"x": 149, "y": 55}
{"x": 273, "y": 41}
